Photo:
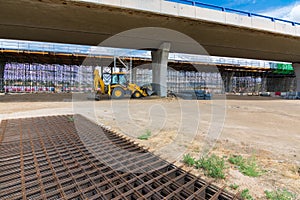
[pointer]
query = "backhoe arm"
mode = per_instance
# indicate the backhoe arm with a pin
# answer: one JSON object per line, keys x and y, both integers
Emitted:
{"x": 98, "y": 82}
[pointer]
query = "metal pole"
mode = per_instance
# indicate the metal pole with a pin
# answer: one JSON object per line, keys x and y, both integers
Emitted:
{"x": 115, "y": 64}
{"x": 130, "y": 70}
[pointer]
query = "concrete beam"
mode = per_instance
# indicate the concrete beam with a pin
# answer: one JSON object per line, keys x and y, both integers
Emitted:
{"x": 297, "y": 73}
{"x": 159, "y": 69}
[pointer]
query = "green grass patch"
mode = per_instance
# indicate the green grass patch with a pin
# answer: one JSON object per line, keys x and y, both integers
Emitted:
{"x": 145, "y": 136}
{"x": 280, "y": 195}
{"x": 213, "y": 166}
{"x": 189, "y": 160}
{"x": 247, "y": 167}
{"x": 234, "y": 186}
{"x": 71, "y": 119}
{"x": 236, "y": 160}
{"x": 246, "y": 195}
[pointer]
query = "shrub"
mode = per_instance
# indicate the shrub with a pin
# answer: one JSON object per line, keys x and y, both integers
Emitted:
{"x": 145, "y": 136}
{"x": 247, "y": 167}
{"x": 246, "y": 195}
{"x": 213, "y": 166}
{"x": 189, "y": 160}
{"x": 280, "y": 195}
{"x": 234, "y": 186}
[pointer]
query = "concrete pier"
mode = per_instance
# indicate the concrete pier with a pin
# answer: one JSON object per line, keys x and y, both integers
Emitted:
{"x": 159, "y": 69}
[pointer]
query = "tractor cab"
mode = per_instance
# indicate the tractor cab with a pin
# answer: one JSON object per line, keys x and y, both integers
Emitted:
{"x": 119, "y": 79}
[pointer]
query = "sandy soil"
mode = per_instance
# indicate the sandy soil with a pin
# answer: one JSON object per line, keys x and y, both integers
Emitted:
{"x": 267, "y": 129}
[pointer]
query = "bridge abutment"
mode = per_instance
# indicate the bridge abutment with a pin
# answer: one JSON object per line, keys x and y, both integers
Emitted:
{"x": 159, "y": 69}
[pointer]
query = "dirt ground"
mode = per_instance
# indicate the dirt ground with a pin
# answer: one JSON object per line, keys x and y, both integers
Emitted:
{"x": 264, "y": 128}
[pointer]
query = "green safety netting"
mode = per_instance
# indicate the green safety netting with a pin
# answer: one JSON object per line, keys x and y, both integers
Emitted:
{"x": 282, "y": 68}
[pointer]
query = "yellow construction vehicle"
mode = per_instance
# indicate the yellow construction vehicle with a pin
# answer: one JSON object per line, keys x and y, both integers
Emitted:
{"x": 119, "y": 87}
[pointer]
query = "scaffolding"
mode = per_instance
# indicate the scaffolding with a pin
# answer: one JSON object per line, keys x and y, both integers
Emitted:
{"x": 281, "y": 83}
{"x": 34, "y": 77}
{"x": 37, "y": 77}
{"x": 257, "y": 82}
{"x": 179, "y": 81}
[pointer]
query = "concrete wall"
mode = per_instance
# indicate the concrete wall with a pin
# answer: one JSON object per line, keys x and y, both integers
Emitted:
{"x": 187, "y": 11}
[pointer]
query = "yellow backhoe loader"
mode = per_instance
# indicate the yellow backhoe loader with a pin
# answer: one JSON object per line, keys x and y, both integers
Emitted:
{"x": 118, "y": 88}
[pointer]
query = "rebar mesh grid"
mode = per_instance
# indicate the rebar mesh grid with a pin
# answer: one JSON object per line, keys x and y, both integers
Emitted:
{"x": 70, "y": 157}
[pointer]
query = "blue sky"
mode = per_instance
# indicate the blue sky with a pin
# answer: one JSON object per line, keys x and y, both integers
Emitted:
{"x": 285, "y": 9}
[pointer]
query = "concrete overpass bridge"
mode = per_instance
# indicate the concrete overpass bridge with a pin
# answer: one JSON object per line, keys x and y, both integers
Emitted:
{"x": 223, "y": 32}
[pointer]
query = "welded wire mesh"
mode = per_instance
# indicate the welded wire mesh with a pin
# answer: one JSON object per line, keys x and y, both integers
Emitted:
{"x": 69, "y": 157}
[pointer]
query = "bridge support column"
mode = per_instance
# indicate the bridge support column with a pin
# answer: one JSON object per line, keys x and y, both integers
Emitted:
{"x": 228, "y": 81}
{"x": 2, "y": 65}
{"x": 297, "y": 73}
{"x": 159, "y": 69}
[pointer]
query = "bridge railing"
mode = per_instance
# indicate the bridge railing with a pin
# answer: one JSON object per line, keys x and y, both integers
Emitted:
{"x": 229, "y": 10}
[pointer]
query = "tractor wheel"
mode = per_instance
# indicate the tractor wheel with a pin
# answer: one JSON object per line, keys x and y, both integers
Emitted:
{"x": 136, "y": 95}
{"x": 117, "y": 93}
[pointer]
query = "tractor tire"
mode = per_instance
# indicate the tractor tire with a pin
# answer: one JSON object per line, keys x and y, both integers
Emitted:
{"x": 136, "y": 95}
{"x": 118, "y": 93}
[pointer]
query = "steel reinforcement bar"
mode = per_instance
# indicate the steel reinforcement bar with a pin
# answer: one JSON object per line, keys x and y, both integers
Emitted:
{"x": 70, "y": 157}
